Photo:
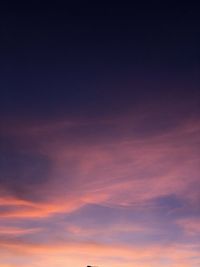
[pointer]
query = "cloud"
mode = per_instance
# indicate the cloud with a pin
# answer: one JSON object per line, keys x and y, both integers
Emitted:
{"x": 111, "y": 189}
{"x": 172, "y": 255}
{"x": 127, "y": 171}
{"x": 190, "y": 226}
{"x": 6, "y": 231}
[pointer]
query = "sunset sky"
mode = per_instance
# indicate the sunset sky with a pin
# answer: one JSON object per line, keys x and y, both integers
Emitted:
{"x": 100, "y": 135}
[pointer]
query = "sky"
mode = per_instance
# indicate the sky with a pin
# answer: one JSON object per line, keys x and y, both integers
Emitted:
{"x": 99, "y": 135}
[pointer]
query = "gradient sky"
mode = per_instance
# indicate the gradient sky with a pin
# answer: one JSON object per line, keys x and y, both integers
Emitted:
{"x": 100, "y": 135}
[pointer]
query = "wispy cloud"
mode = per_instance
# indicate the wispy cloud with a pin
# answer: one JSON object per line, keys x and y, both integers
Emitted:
{"x": 115, "y": 189}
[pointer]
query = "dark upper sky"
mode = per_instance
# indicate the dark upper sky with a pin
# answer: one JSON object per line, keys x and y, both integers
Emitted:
{"x": 75, "y": 58}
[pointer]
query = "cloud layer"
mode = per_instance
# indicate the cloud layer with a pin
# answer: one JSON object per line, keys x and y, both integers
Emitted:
{"x": 117, "y": 189}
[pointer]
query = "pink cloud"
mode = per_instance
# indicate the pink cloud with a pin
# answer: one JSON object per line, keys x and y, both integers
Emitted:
{"x": 127, "y": 171}
{"x": 191, "y": 226}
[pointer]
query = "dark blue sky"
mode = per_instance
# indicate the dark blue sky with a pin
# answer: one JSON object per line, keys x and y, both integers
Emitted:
{"x": 75, "y": 55}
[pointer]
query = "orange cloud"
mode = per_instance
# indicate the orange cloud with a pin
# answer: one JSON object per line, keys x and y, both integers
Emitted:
{"x": 120, "y": 255}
